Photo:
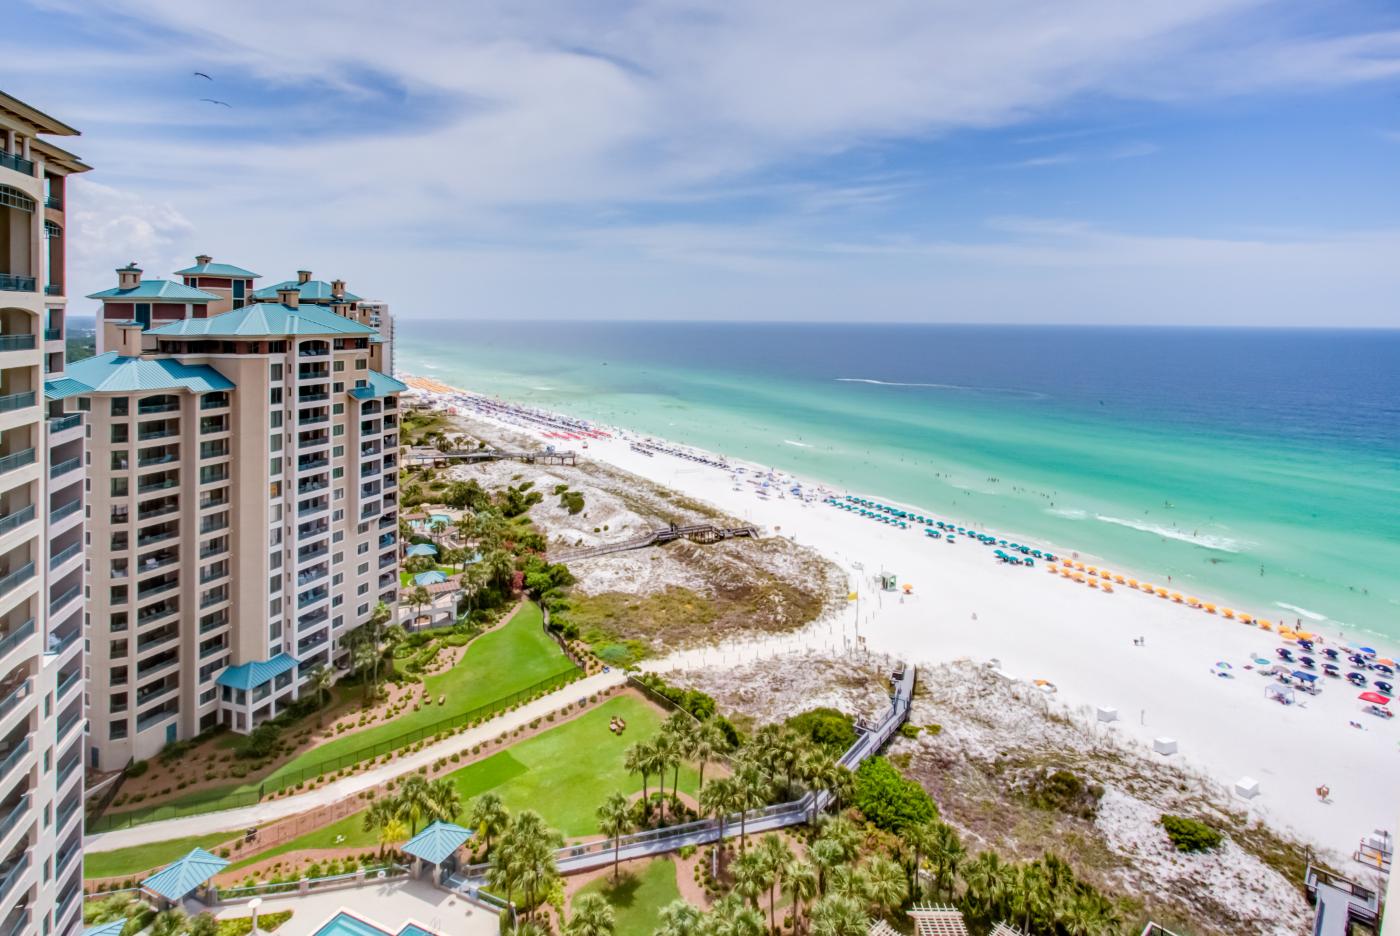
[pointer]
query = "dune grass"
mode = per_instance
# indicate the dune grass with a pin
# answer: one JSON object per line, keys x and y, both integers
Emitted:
{"x": 638, "y": 896}
{"x": 140, "y": 858}
{"x": 563, "y": 774}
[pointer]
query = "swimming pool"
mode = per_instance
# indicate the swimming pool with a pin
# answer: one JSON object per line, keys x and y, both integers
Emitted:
{"x": 345, "y": 924}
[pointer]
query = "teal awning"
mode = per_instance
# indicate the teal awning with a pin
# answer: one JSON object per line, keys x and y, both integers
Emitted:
{"x": 179, "y": 880}
{"x": 378, "y": 385}
{"x": 110, "y": 928}
{"x": 116, "y": 373}
{"x": 421, "y": 549}
{"x": 251, "y": 675}
{"x": 437, "y": 842}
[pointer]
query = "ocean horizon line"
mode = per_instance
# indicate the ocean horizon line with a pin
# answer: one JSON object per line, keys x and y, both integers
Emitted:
{"x": 899, "y": 323}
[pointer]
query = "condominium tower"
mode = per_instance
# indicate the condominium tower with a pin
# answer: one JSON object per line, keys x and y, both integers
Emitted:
{"x": 242, "y": 476}
{"x": 41, "y": 542}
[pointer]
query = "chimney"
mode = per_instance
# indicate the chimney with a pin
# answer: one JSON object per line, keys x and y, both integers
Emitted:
{"x": 303, "y": 276}
{"x": 340, "y": 307}
{"x": 337, "y": 288}
{"x": 129, "y": 276}
{"x": 203, "y": 260}
{"x": 289, "y": 296}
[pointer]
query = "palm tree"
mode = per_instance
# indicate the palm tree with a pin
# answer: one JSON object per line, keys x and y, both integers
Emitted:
{"x": 835, "y": 915}
{"x": 751, "y": 788}
{"x": 380, "y": 813}
{"x": 489, "y": 817}
{"x": 719, "y": 798}
{"x": 709, "y": 743}
{"x": 532, "y": 846}
{"x": 115, "y": 907}
{"x": 202, "y": 925}
{"x": 446, "y": 800}
{"x": 615, "y": 821}
{"x": 987, "y": 886}
{"x": 419, "y": 596}
{"x": 364, "y": 658}
{"x": 638, "y": 759}
{"x": 732, "y": 917}
{"x": 842, "y": 784}
{"x": 885, "y": 883}
{"x": 320, "y": 681}
{"x": 774, "y": 855}
{"x": 800, "y": 881}
{"x": 750, "y": 876}
{"x": 415, "y": 801}
{"x": 917, "y": 842}
{"x": 171, "y": 922}
{"x": 391, "y": 832}
{"x": 946, "y": 852}
{"x": 679, "y": 918}
{"x": 826, "y": 856}
{"x": 592, "y": 916}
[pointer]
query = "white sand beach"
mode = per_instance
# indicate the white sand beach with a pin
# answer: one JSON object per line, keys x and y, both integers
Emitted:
{"x": 1035, "y": 625}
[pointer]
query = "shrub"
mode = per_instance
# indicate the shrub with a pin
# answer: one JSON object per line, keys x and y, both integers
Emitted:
{"x": 1062, "y": 791}
{"x": 1190, "y": 835}
{"x": 888, "y": 799}
{"x": 909, "y": 730}
{"x": 138, "y": 768}
{"x": 825, "y": 727}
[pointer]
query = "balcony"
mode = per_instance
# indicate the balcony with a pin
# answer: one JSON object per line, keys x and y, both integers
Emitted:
{"x": 158, "y": 482}
{"x": 212, "y": 424}
{"x": 151, "y": 408}
{"x": 213, "y": 499}
{"x": 158, "y": 586}
{"x": 17, "y": 163}
{"x": 158, "y": 457}
{"x": 54, "y": 202}
{"x": 53, "y": 289}
{"x": 17, "y": 342}
{"x": 66, "y": 723}
{"x": 218, "y": 449}
{"x": 314, "y": 419}
{"x": 60, "y": 423}
{"x": 68, "y": 595}
{"x": 165, "y": 429}
{"x": 12, "y": 283}
{"x": 16, "y": 696}
{"x": 64, "y": 510}
{"x": 15, "y": 636}
{"x": 313, "y": 619}
{"x": 303, "y": 464}
{"x": 215, "y": 596}
{"x": 16, "y": 519}
{"x": 53, "y": 334}
{"x": 156, "y": 663}
{"x": 14, "y": 401}
{"x": 312, "y": 508}
{"x": 313, "y": 596}
{"x": 213, "y": 474}
{"x": 214, "y": 548}
{"x": 62, "y": 468}
{"x": 311, "y": 373}
{"x": 151, "y": 563}
{"x": 213, "y": 523}
{"x": 154, "y": 718}
{"x": 157, "y": 611}
{"x": 160, "y": 507}
{"x": 68, "y": 682}
{"x": 212, "y": 649}
{"x": 64, "y": 554}
{"x": 307, "y": 554}
{"x": 10, "y": 761}
{"x": 16, "y": 578}
{"x": 12, "y": 877}
{"x": 158, "y": 534}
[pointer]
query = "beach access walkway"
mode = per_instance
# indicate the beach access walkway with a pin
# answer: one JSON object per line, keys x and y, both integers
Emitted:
{"x": 586, "y": 856}
{"x": 695, "y": 532}
{"x": 247, "y": 817}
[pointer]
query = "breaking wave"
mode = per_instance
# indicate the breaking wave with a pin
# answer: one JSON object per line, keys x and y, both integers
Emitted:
{"x": 999, "y": 391}
{"x": 1310, "y": 615}
{"x": 1217, "y": 543}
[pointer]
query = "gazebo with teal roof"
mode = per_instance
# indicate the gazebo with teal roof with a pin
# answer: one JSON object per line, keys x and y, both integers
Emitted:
{"x": 437, "y": 845}
{"x": 178, "y": 880}
{"x": 431, "y": 577}
{"x": 421, "y": 549}
{"x": 253, "y": 692}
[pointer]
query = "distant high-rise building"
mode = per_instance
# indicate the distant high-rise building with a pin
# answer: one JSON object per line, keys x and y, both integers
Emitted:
{"x": 41, "y": 541}
{"x": 243, "y": 477}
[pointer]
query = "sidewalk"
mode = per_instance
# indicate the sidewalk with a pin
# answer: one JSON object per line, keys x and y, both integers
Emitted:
{"x": 246, "y": 817}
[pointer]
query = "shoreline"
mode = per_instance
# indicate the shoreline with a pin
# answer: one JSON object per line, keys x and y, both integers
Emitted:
{"x": 1083, "y": 641}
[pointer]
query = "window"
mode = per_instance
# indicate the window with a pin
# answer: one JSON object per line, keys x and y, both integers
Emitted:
{"x": 337, "y": 408}
{"x": 276, "y": 442}
{"x": 119, "y": 462}
{"x": 360, "y": 364}
{"x": 362, "y": 549}
{"x": 362, "y": 568}
{"x": 275, "y": 396}
{"x": 120, "y": 487}
{"x": 119, "y": 406}
{"x": 338, "y": 451}
{"x": 337, "y": 472}
{"x": 274, "y": 490}
{"x": 338, "y": 387}
{"x": 120, "y": 433}
{"x": 274, "y": 584}
{"x": 274, "y": 630}
{"x": 338, "y": 429}
{"x": 118, "y": 594}
{"x": 339, "y": 366}
{"x": 275, "y": 466}
{"x": 363, "y": 609}
{"x": 276, "y": 371}
{"x": 337, "y": 578}
{"x": 277, "y": 419}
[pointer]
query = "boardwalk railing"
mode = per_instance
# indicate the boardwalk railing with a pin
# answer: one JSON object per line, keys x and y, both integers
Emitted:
{"x": 599, "y": 852}
{"x": 696, "y": 532}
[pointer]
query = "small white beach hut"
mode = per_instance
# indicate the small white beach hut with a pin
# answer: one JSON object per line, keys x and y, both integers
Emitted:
{"x": 1107, "y": 713}
{"x": 1247, "y": 787}
{"x": 1166, "y": 746}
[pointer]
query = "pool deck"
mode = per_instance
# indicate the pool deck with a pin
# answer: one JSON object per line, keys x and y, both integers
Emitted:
{"x": 390, "y": 905}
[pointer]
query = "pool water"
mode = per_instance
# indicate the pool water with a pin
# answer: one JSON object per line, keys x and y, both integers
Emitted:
{"x": 345, "y": 924}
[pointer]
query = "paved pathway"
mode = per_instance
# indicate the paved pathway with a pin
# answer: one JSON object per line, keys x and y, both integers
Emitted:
{"x": 235, "y": 820}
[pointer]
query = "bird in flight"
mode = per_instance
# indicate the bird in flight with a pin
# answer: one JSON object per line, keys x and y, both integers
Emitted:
{"x": 202, "y": 75}
{"x": 220, "y": 103}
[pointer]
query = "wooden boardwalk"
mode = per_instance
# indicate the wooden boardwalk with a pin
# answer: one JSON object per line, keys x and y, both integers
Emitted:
{"x": 695, "y": 532}
{"x": 422, "y": 455}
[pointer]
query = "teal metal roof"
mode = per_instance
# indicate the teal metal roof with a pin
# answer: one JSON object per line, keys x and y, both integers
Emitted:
{"x": 249, "y": 675}
{"x": 158, "y": 289}
{"x": 113, "y": 373}
{"x": 111, "y": 928}
{"x": 421, "y": 549}
{"x": 378, "y": 385}
{"x": 310, "y": 291}
{"x": 177, "y": 881}
{"x": 264, "y": 320}
{"x": 217, "y": 269}
{"x": 437, "y": 842}
{"x": 431, "y": 577}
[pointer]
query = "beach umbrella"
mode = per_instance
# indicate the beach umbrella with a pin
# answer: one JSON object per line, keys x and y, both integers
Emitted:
{"x": 1375, "y": 697}
{"x": 1306, "y": 677}
{"x": 1107, "y": 587}
{"x": 1261, "y": 661}
{"x": 1386, "y": 661}
{"x": 1367, "y": 650}
{"x": 1162, "y": 593}
{"x": 1221, "y": 664}
{"x": 1176, "y": 596}
{"x": 1227, "y": 612}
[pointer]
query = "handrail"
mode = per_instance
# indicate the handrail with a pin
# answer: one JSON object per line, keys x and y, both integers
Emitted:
{"x": 17, "y": 518}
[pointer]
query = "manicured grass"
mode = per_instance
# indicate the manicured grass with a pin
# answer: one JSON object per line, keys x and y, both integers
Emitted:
{"x": 140, "y": 858}
{"x": 563, "y": 774}
{"x": 638, "y": 896}
{"x": 512, "y": 657}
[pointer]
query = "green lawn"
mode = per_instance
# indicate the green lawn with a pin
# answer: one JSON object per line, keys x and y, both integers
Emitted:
{"x": 563, "y": 774}
{"x": 639, "y": 895}
{"x": 140, "y": 858}
{"x": 512, "y": 657}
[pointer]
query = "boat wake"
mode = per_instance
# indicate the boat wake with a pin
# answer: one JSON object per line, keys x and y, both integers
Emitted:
{"x": 997, "y": 391}
{"x": 1217, "y": 543}
{"x": 1066, "y": 512}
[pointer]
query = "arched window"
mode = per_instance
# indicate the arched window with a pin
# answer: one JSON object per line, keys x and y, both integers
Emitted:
{"x": 52, "y": 230}
{"x": 14, "y": 198}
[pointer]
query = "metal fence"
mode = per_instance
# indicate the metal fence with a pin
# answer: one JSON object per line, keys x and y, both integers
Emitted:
{"x": 216, "y": 802}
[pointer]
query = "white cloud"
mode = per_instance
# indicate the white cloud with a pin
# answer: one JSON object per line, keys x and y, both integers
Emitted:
{"x": 108, "y": 227}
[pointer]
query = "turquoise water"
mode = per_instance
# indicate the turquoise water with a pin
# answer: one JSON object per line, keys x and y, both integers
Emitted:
{"x": 1259, "y": 468}
{"x": 343, "y": 924}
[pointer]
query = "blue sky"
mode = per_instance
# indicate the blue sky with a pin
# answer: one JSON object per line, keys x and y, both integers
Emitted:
{"x": 1192, "y": 162}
